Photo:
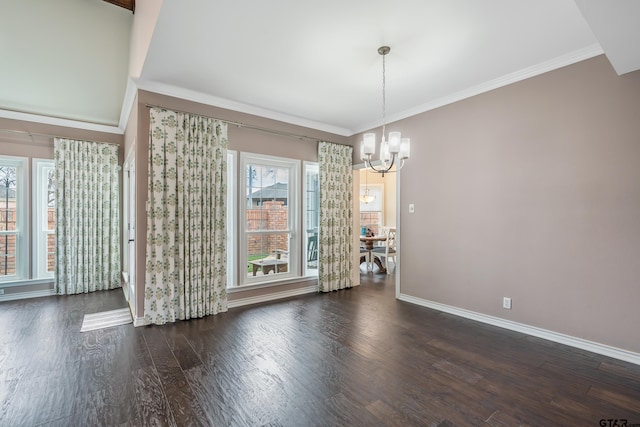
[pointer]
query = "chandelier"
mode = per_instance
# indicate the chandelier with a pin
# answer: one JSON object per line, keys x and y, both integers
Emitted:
{"x": 396, "y": 149}
{"x": 366, "y": 197}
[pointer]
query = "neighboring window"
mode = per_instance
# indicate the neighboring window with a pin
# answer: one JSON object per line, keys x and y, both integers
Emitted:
{"x": 371, "y": 213}
{"x": 231, "y": 220}
{"x": 13, "y": 231}
{"x": 311, "y": 218}
{"x": 44, "y": 205}
{"x": 268, "y": 229}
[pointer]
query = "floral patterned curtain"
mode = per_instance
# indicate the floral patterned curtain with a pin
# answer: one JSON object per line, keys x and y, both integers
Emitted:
{"x": 186, "y": 274}
{"x": 87, "y": 216}
{"x": 335, "y": 248}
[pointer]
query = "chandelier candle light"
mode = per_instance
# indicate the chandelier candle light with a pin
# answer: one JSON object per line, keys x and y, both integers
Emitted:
{"x": 395, "y": 148}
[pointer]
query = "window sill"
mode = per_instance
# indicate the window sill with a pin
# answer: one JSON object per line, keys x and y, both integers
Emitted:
{"x": 272, "y": 283}
{"x": 26, "y": 282}
{"x": 273, "y": 292}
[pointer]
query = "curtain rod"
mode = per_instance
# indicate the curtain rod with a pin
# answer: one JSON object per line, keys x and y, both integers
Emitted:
{"x": 253, "y": 127}
{"x": 32, "y": 134}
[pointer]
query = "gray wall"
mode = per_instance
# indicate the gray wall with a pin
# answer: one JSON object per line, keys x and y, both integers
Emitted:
{"x": 531, "y": 191}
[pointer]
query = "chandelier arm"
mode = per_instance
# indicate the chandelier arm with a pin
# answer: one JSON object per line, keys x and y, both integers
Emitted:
{"x": 372, "y": 167}
{"x": 383, "y": 170}
{"x": 393, "y": 160}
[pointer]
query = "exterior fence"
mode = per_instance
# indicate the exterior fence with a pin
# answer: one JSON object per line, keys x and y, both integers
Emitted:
{"x": 8, "y": 242}
{"x": 272, "y": 215}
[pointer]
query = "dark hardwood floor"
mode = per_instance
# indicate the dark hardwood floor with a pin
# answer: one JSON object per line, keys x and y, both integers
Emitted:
{"x": 350, "y": 358}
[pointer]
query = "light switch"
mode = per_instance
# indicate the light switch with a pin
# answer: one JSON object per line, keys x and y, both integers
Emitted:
{"x": 412, "y": 208}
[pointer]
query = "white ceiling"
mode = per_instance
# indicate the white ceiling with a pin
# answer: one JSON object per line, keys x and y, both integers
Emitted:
{"x": 64, "y": 58}
{"x": 309, "y": 63}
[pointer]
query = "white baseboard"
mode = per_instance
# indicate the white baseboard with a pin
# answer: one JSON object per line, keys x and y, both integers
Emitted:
{"x": 139, "y": 321}
{"x": 603, "y": 349}
{"x": 272, "y": 296}
{"x": 25, "y": 295}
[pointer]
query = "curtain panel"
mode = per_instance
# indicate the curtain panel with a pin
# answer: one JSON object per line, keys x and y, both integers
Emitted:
{"x": 87, "y": 216}
{"x": 186, "y": 274}
{"x": 336, "y": 217}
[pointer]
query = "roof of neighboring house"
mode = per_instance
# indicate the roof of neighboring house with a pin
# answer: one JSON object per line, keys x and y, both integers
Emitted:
{"x": 3, "y": 193}
{"x": 279, "y": 190}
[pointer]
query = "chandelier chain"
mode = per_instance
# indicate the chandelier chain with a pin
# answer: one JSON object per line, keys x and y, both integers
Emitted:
{"x": 384, "y": 96}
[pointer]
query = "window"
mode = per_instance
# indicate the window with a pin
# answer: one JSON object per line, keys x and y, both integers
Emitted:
{"x": 44, "y": 206}
{"x": 15, "y": 245}
{"x": 269, "y": 243}
{"x": 371, "y": 213}
{"x": 13, "y": 231}
{"x": 311, "y": 217}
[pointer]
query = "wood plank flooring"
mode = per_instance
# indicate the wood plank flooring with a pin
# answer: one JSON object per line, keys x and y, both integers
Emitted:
{"x": 350, "y": 358}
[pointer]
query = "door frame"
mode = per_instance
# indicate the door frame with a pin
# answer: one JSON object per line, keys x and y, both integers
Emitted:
{"x": 356, "y": 222}
{"x": 128, "y": 232}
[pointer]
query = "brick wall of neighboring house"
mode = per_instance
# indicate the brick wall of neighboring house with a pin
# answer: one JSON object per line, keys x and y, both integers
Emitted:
{"x": 372, "y": 220}
{"x": 51, "y": 239}
{"x": 7, "y": 242}
{"x": 271, "y": 215}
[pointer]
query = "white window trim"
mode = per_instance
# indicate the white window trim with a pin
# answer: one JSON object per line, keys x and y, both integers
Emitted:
{"x": 39, "y": 244}
{"x": 232, "y": 203}
{"x": 294, "y": 166}
{"x": 305, "y": 165}
{"x": 22, "y": 220}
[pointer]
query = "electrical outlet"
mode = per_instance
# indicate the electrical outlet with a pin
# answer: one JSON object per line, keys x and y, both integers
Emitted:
{"x": 506, "y": 303}
{"x": 412, "y": 208}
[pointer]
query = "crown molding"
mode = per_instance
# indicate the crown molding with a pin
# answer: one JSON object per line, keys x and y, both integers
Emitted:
{"x": 214, "y": 101}
{"x": 56, "y": 121}
{"x": 526, "y": 73}
{"x": 133, "y": 85}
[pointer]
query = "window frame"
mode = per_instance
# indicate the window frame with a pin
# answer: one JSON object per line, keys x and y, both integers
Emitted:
{"x": 22, "y": 217}
{"x": 314, "y": 167}
{"x": 39, "y": 248}
{"x": 293, "y": 204}
{"x": 232, "y": 203}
